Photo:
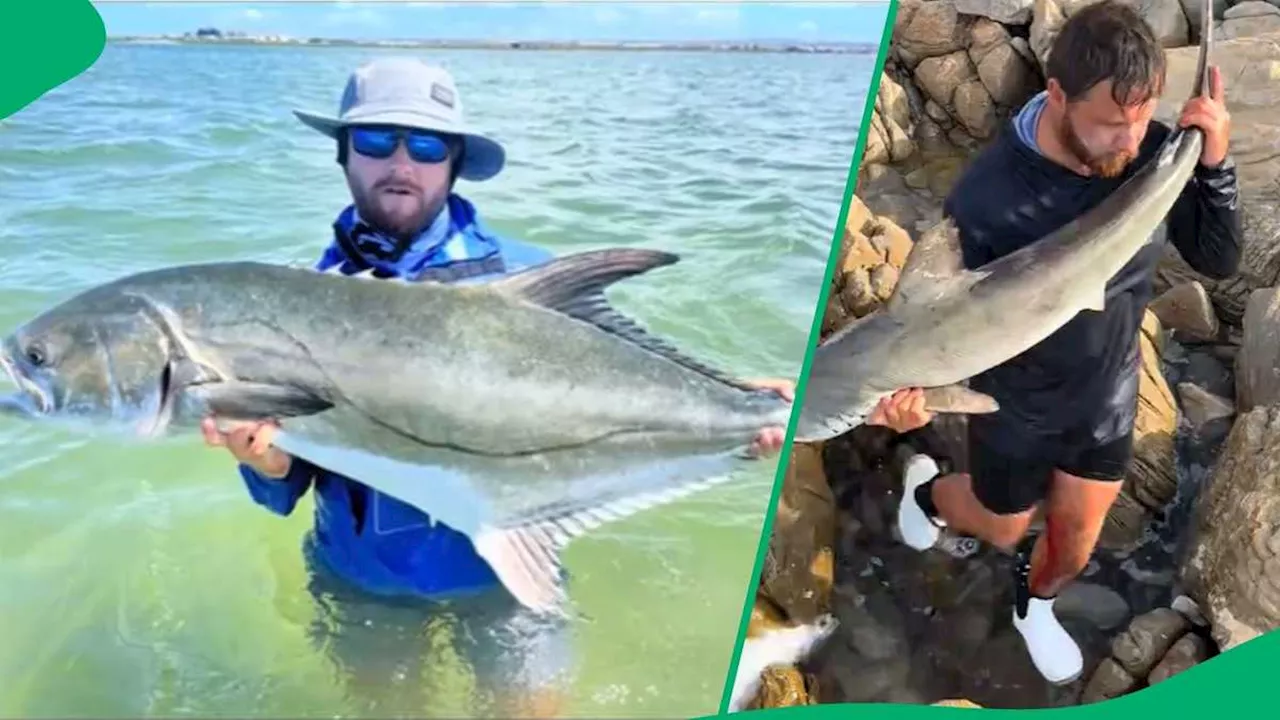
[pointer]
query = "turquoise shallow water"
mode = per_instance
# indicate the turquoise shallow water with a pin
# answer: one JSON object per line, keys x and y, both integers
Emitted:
{"x": 143, "y": 580}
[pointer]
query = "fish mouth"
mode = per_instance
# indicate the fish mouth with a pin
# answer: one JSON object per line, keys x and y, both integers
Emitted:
{"x": 30, "y": 396}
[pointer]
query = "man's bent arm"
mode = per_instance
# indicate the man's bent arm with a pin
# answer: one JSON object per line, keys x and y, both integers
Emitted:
{"x": 1204, "y": 224}
{"x": 279, "y": 495}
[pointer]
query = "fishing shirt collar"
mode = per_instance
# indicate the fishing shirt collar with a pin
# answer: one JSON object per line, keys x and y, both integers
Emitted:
{"x": 454, "y": 239}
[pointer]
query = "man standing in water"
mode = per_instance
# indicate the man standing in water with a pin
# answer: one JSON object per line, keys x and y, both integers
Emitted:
{"x": 1064, "y": 433}
{"x": 403, "y": 144}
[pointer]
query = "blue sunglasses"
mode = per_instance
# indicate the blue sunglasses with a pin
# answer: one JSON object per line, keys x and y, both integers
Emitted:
{"x": 381, "y": 143}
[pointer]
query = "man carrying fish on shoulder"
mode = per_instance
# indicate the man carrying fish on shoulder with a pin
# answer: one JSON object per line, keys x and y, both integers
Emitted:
{"x": 402, "y": 144}
{"x": 1063, "y": 435}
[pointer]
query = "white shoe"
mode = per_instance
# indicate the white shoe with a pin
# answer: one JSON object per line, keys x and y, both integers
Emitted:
{"x": 917, "y": 529}
{"x": 1053, "y": 651}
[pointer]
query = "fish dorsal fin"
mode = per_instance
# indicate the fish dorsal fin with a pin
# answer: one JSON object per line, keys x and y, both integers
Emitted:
{"x": 575, "y": 285}
{"x": 934, "y": 258}
{"x": 560, "y": 283}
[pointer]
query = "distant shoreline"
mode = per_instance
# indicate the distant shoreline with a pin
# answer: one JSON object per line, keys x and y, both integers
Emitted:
{"x": 693, "y": 46}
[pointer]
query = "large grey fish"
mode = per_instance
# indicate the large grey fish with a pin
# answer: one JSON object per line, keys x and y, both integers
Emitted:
{"x": 522, "y": 411}
{"x": 944, "y": 323}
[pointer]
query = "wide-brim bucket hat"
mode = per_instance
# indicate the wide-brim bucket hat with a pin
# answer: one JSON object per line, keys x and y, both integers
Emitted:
{"x": 410, "y": 93}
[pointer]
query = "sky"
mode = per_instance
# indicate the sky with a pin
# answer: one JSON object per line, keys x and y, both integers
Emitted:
{"x": 859, "y": 21}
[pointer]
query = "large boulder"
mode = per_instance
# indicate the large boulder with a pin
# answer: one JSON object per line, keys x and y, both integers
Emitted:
{"x": 1258, "y": 362}
{"x": 1232, "y": 567}
{"x": 1156, "y": 646}
{"x": 872, "y": 251}
{"x": 1249, "y": 19}
{"x": 1250, "y": 67}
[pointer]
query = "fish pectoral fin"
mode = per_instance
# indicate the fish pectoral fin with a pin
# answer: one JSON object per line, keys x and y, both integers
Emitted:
{"x": 574, "y": 285}
{"x": 958, "y": 399}
{"x": 527, "y": 562}
{"x": 245, "y": 400}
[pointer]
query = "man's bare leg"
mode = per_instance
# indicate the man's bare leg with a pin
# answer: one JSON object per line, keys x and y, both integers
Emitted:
{"x": 949, "y": 500}
{"x": 961, "y": 510}
{"x": 1074, "y": 513}
{"x": 1075, "y": 509}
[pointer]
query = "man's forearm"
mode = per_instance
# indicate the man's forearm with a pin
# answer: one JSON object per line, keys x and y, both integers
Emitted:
{"x": 1205, "y": 224}
{"x": 279, "y": 494}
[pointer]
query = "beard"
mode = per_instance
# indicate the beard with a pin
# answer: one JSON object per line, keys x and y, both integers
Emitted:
{"x": 1107, "y": 165}
{"x": 400, "y": 215}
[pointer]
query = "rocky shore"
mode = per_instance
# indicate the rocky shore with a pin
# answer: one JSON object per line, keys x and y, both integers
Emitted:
{"x": 1188, "y": 565}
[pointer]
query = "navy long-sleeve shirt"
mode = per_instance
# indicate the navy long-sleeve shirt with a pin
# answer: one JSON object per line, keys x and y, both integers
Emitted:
{"x": 1012, "y": 195}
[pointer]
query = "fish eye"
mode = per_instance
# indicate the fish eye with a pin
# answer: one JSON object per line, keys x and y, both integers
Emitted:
{"x": 35, "y": 355}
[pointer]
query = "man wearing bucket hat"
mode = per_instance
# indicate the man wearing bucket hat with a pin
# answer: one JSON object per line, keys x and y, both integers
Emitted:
{"x": 403, "y": 143}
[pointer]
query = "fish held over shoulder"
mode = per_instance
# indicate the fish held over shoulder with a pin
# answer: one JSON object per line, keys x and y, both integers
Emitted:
{"x": 946, "y": 323}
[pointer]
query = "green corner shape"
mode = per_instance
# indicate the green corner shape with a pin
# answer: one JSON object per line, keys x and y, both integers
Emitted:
{"x": 43, "y": 44}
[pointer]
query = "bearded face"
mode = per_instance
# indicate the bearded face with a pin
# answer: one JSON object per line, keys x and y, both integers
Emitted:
{"x": 1103, "y": 162}
{"x": 1101, "y": 133}
{"x": 397, "y": 194}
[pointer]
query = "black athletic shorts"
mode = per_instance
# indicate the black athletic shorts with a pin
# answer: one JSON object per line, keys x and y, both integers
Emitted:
{"x": 1008, "y": 483}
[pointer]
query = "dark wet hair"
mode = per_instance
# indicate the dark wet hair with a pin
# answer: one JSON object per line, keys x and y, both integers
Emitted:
{"x": 1108, "y": 41}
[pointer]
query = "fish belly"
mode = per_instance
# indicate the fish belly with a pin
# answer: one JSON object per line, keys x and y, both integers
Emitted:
{"x": 519, "y": 511}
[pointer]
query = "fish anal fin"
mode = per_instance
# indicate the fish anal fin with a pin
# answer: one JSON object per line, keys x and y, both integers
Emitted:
{"x": 527, "y": 562}
{"x": 933, "y": 259}
{"x": 253, "y": 401}
{"x": 574, "y": 285}
{"x": 526, "y": 556}
{"x": 958, "y": 399}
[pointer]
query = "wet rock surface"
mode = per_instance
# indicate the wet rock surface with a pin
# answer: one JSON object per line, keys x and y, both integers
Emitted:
{"x": 801, "y": 545}
{"x": 1259, "y": 355}
{"x": 1156, "y": 646}
{"x": 1232, "y": 568}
